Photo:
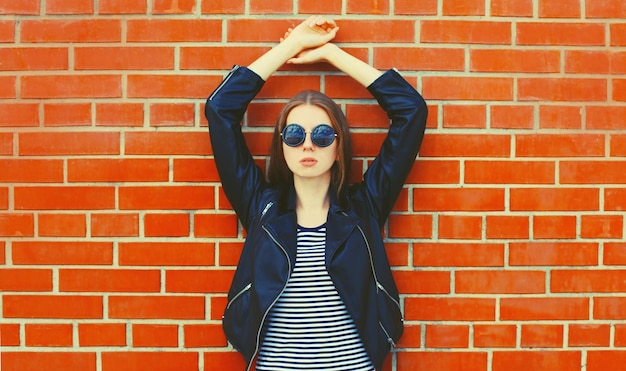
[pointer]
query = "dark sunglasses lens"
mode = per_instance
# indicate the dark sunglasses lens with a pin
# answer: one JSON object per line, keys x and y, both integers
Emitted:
{"x": 293, "y": 135}
{"x": 323, "y": 135}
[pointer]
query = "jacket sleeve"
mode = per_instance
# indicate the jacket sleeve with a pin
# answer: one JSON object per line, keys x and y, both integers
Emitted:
{"x": 407, "y": 111}
{"x": 241, "y": 178}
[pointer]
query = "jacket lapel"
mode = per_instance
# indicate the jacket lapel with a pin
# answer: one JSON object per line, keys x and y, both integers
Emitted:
{"x": 338, "y": 227}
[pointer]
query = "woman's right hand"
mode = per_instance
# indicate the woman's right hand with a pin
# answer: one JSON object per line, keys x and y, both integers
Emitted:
{"x": 313, "y": 32}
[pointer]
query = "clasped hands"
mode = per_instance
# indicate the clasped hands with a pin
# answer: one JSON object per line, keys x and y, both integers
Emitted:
{"x": 312, "y": 36}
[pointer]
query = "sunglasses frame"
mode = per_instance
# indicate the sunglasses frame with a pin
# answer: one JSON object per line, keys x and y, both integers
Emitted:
{"x": 305, "y": 133}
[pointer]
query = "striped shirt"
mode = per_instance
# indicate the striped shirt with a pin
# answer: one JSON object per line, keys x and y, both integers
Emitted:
{"x": 309, "y": 327}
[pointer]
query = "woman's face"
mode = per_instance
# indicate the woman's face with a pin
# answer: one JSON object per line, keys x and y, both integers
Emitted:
{"x": 308, "y": 160}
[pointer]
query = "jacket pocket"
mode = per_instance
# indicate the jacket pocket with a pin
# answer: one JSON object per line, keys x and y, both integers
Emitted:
{"x": 236, "y": 321}
{"x": 390, "y": 322}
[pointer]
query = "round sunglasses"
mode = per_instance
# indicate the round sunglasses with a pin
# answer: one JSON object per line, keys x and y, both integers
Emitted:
{"x": 322, "y": 135}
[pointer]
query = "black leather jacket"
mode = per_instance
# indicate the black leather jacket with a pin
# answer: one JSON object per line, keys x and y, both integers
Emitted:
{"x": 355, "y": 253}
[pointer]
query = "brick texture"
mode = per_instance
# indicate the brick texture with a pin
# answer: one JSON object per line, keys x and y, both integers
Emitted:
{"x": 508, "y": 242}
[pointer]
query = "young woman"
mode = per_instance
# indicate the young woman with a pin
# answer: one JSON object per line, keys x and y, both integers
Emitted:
{"x": 313, "y": 289}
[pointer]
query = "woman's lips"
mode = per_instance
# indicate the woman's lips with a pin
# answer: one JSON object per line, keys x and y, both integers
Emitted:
{"x": 308, "y": 161}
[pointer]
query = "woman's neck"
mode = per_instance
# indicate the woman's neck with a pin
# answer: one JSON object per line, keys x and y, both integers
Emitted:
{"x": 312, "y": 201}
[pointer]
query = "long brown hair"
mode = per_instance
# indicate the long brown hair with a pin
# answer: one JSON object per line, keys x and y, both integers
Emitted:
{"x": 278, "y": 172}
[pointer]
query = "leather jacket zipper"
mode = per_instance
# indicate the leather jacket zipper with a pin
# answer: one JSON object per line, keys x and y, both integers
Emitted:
{"x": 235, "y": 68}
{"x": 258, "y": 336}
{"x": 241, "y": 292}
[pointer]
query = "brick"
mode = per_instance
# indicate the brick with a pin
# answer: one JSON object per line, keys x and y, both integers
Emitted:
{"x": 512, "y": 60}
{"x": 170, "y": 86}
{"x": 198, "y": 281}
{"x": 465, "y": 32}
{"x": 620, "y": 335}
{"x": 271, "y": 6}
{"x": 562, "y": 89}
{"x": 19, "y": 115}
{"x": 205, "y": 335}
{"x": 422, "y": 59}
{"x": 62, "y": 225}
{"x": 366, "y": 144}
{"x": 257, "y": 30}
{"x": 587, "y": 62}
{"x": 8, "y": 87}
{"x": 223, "y": 6}
{"x": 602, "y": 226}
{"x": 512, "y": 117}
{"x": 48, "y": 335}
{"x": 560, "y": 33}
{"x": 605, "y": 9}
{"x": 74, "y": 86}
{"x": 122, "y": 7}
{"x": 119, "y": 114}
{"x": 619, "y": 90}
{"x": 166, "y": 143}
{"x": 20, "y": 7}
{"x": 617, "y": 61}
{"x": 410, "y": 226}
{"x": 17, "y": 225}
{"x": 166, "y": 225}
{"x": 34, "y": 59}
{"x": 449, "y": 309}
{"x": 411, "y": 337}
{"x": 10, "y": 334}
{"x": 181, "y": 115}
{"x": 67, "y": 114}
{"x": 468, "y": 88}
{"x": 554, "y": 199}
{"x": 465, "y": 116}
{"x": 509, "y": 172}
{"x": 542, "y": 336}
{"x": 286, "y": 87}
{"x": 51, "y": 361}
{"x": 25, "y": 280}
{"x": 367, "y": 7}
{"x": 458, "y": 199}
{"x": 218, "y": 305}
{"x": 62, "y": 253}
{"x": 442, "y": 361}
{"x": 560, "y": 117}
{"x": 151, "y": 335}
{"x": 507, "y": 227}
{"x": 554, "y": 226}
{"x": 617, "y": 34}
{"x": 217, "y": 361}
{"x": 109, "y": 280}
{"x": 218, "y": 57}
{"x": 156, "y": 361}
{"x": 447, "y": 336}
{"x": 434, "y": 172}
{"x": 536, "y": 360}
{"x": 52, "y": 306}
{"x": 553, "y": 254}
{"x": 4, "y": 198}
{"x": 195, "y": 170}
{"x": 156, "y": 307}
{"x": 618, "y": 145}
{"x": 460, "y": 227}
{"x": 215, "y": 225}
{"x": 609, "y": 308}
{"x": 559, "y": 145}
{"x": 174, "y": 30}
{"x": 372, "y": 31}
{"x": 114, "y": 225}
{"x": 166, "y": 198}
{"x": 457, "y": 255}
{"x": 124, "y": 58}
{"x": 229, "y": 253}
{"x": 316, "y": 7}
{"x": 466, "y": 8}
{"x": 64, "y": 198}
{"x": 167, "y": 254}
{"x": 495, "y": 336}
{"x": 559, "y": 9}
{"x": 614, "y": 253}
{"x": 605, "y": 360}
{"x": 174, "y": 7}
{"x": 500, "y": 282}
{"x": 6, "y": 144}
{"x": 118, "y": 170}
{"x": 588, "y": 281}
{"x": 589, "y": 335}
{"x": 102, "y": 334}
{"x": 605, "y": 118}
{"x": 515, "y": 8}
{"x": 69, "y": 7}
{"x": 71, "y": 31}
{"x": 422, "y": 282}
{"x": 544, "y": 309}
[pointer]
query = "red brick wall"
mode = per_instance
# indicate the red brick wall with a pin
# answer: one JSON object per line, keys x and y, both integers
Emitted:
{"x": 508, "y": 242}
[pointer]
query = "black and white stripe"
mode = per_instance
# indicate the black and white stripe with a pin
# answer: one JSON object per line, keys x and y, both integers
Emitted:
{"x": 309, "y": 327}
